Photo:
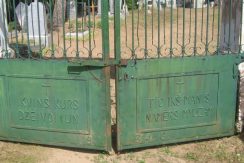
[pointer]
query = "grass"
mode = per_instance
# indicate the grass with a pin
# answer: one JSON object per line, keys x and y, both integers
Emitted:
{"x": 192, "y": 156}
{"x": 217, "y": 150}
{"x": 20, "y": 153}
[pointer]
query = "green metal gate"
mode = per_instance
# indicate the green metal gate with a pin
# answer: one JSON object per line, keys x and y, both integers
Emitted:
{"x": 176, "y": 71}
{"x": 58, "y": 95}
{"x": 179, "y": 82}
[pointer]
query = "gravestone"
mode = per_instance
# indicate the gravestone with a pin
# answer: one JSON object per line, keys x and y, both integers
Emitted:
{"x": 198, "y": 3}
{"x": 37, "y": 23}
{"x": 20, "y": 11}
{"x": 99, "y": 9}
{"x": 71, "y": 9}
{"x": 170, "y": 3}
{"x": 111, "y": 7}
{"x": 3, "y": 29}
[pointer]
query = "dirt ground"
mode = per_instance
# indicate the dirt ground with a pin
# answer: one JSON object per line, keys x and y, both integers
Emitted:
{"x": 230, "y": 149}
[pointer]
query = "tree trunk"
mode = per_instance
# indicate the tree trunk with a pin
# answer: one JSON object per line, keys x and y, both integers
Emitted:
{"x": 59, "y": 12}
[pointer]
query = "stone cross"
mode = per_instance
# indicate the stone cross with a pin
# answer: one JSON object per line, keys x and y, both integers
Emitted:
{"x": 3, "y": 29}
{"x": 37, "y": 23}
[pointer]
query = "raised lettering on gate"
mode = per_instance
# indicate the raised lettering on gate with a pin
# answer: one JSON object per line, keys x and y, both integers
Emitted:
{"x": 176, "y": 102}
{"x": 42, "y": 104}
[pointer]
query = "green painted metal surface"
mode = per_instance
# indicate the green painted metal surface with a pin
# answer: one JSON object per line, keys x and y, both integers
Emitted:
{"x": 162, "y": 101}
{"x": 54, "y": 103}
{"x": 179, "y": 84}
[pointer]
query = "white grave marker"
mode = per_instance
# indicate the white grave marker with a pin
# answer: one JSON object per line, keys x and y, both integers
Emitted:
{"x": 71, "y": 9}
{"x": 111, "y": 7}
{"x": 99, "y": 9}
{"x": 21, "y": 14}
{"x": 37, "y": 23}
{"x": 170, "y": 3}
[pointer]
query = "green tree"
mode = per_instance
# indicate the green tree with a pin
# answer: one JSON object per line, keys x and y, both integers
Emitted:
{"x": 130, "y": 4}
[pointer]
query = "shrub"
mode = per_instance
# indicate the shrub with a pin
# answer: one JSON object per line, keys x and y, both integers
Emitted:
{"x": 130, "y": 4}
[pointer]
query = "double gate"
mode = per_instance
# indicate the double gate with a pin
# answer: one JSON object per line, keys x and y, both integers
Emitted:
{"x": 175, "y": 73}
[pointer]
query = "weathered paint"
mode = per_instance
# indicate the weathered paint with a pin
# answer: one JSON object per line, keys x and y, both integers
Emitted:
{"x": 54, "y": 103}
{"x": 163, "y": 101}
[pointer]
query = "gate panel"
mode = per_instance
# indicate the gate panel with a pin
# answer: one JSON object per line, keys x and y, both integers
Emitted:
{"x": 54, "y": 74}
{"x": 165, "y": 101}
{"x": 53, "y": 104}
{"x": 178, "y": 76}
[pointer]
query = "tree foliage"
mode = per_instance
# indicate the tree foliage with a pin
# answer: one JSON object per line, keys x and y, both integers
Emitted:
{"x": 131, "y": 3}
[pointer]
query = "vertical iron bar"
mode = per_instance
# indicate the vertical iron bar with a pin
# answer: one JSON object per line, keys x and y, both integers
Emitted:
{"x": 145, "y": 29}
{"x": 230, "y": 16}
{"x": 117, "y": 31}
{"x": 202, "y": 24}
{"x": 39, "y": 30}
{"x": 51, "y": 20}
{"x": 218, "y": 39}
{"x": 28, "y": 37}
{"x": 133, "y": 30}
{"x": 105, "y": 30}
{"x": 164, "y": 26}
{"x": 213, "y": 20}
{"x": 171, "y": 29}
{"x": 9, "y": 17}
{"x": 183, "y": 37}
{"x": 16, "y": 33}
{"x": 195, "y": 38}
{"x": 206, "y": 45}
{"x": 63, "y": 22}
{"x": 89, "y": 27}
{"x": 76, "y": 29}
{"x": 159, "y": 49}
{"x": 32, "y": 25}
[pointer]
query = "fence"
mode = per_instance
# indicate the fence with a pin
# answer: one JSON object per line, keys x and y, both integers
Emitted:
{"x": 175, "y": 79}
